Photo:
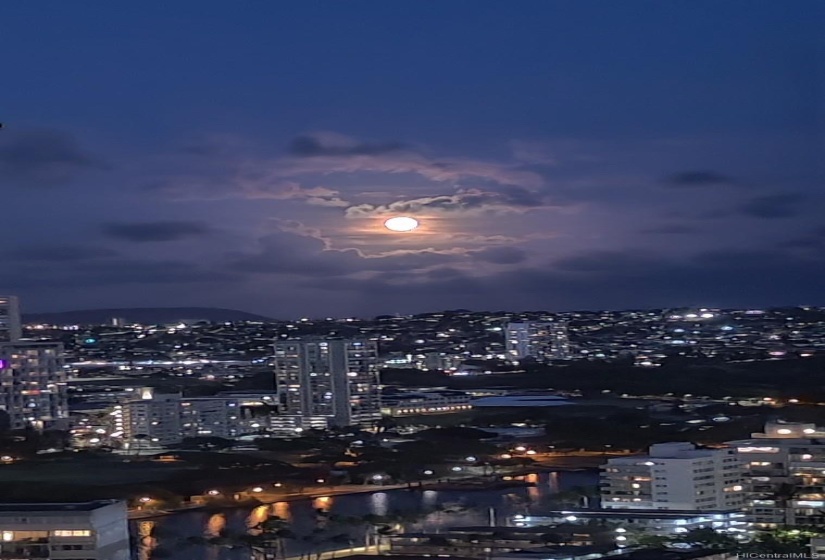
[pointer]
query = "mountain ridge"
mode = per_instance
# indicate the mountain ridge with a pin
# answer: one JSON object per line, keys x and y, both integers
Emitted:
{"x": 145, "y": 315}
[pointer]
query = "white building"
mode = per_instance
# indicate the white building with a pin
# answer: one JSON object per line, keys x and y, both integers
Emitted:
{"x": 33, "y": 384}
{"x": 784, "y": 475}
{"x": 152, "y": 420}
{"x": 227, "y": 415}
{"x": 10, "y": 325}
{"x": 665, "y": 523}
{"x": 674, "y": 476}
{"x": 66, "y": 531}
{"x": 537, "y": 340}
{"x": 334, "y": 378}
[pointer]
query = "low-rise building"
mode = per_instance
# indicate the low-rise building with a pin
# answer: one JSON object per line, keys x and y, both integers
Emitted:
{"x": 425, "y": 402}
{"x": 95, "y": 530}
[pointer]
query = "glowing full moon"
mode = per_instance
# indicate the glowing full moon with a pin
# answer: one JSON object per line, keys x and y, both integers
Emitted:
{"x": 401, "y": 224}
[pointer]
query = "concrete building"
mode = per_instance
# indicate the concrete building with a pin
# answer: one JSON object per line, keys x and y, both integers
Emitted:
{"x": 10, "y": 325}
{"x": 66, "y": 531}
{"x": 227, "y": 415}
{"x": 784, "y": 475}
{"x": 424, "y": 402}
{"x": 153, "y": 420}
{"x": 537, "y": 340}
{"x": 33, "y": 384}
{"x": 652, "y": 522}
{"x": 674, "y": 476}
{"x": 334, "y": 378}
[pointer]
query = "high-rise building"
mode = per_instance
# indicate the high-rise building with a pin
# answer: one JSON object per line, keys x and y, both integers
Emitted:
{"x": 332, "y": 378}
{"x": 10, "y": 325}
{"x": 784, "y": 475}
{"x": 65, "y": 531}
{"x": 674, "y": 476}
{"x": 540, "y": 341}
{"x": 33, "y": 384}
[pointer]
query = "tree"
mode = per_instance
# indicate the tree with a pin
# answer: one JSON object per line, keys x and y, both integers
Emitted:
{"x": 708, "y": 538}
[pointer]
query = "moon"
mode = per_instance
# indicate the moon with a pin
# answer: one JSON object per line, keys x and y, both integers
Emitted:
{"x": 401, "y": 224}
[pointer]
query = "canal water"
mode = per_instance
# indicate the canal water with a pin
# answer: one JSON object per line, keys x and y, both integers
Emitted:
{"x": 171, "y": 537}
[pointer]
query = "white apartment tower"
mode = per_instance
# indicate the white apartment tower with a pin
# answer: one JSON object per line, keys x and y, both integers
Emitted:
{"x": 541, "y": 341}
{"x": 674, "y": 476}
{"x": 10, "y": 325}
{"x": 784, "y": 475}
{"x": 332, "y": 378}
{"x": 33, "y": 384}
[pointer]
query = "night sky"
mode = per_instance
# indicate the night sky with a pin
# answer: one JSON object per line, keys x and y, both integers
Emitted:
{"x": 559, "y": 154}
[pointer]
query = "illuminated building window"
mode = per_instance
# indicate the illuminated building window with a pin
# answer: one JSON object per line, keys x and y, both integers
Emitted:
{"x": 65, "y": 533}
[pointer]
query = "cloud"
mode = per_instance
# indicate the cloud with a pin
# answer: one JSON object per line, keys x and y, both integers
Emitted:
{"x": 534, "y": 153}
{"x": 291, "y": 190}
{"x": 337, "y": 146}
{"x": 117, "y": 272}
{"x": 774, "y": 206}
{"x": 602, "y": 280}
{"x": 501, "y": 255}
{"x": 671, "y": 229}
{"x": 813, "y": 240}
{"x": 59, "y": 253}
{"x": 699, "y": 179}
{"x": 346, "y": 155}
{"x": 514, "y": 199}
{"x": 160, "y": 231}
{"x": 309, "y": 254}
{"x": 43, "y": 158}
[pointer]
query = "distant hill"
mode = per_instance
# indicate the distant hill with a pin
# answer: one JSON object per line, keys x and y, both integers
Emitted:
{"x": 144, "y": 315}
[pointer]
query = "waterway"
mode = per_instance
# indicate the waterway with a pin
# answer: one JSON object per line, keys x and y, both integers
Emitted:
{"x": 171, "y": 537}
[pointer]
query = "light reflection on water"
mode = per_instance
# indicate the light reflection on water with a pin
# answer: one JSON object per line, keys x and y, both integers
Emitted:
{"x": 258, "y": 516}
{"x": 147, "y": 542}
{"x": 465, "y": 508}
{"x": 282, "y": 511}
{"x": 215, "y": 525}
{"x": 324, "y": 503}
{"x": 379, "y": 503}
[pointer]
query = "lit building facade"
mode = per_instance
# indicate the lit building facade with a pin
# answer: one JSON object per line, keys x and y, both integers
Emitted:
{"x": 784, "y": 475}
{"x": 152, "y": 420}
{"x": 537, "y": 340}
{"x": 332, "y": 378}
{"x": 425, "y": 403}
{"x": 10, "y": 325}
{"x": 227, "y": 415}
{"x": 66, "y": 531}
{"x": 33, "y": 384}
{"x": 156, "y": 419}
{"x": 674, "y": 476}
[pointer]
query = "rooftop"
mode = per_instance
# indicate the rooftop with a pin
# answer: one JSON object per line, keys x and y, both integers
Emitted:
{"x": 52, "y": 507}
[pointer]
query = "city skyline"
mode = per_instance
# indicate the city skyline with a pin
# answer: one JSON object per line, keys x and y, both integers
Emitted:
{"x": 559, "y": 157}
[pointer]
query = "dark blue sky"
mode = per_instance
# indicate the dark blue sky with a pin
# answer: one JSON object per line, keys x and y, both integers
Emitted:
{"x": 559, "y": 154}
